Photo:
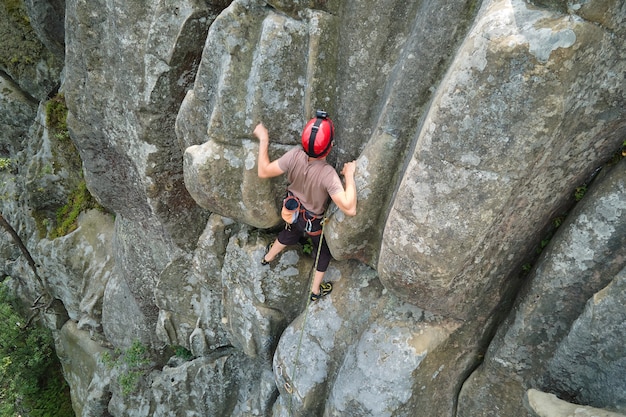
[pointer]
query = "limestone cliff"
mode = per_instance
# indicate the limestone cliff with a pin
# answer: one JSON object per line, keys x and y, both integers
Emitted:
{"x": 482, "y": 275}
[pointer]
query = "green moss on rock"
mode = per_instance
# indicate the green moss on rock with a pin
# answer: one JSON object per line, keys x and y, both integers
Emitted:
{"x": 79, "y": 201}
{"x": 22, "y": 53}
{"x": 56, "y": 114}
{"x": 57, "y": 220}
{"x": 20, "y": 46}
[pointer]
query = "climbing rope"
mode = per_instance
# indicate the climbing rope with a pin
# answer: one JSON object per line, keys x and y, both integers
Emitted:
{"x": 288, "y": 387}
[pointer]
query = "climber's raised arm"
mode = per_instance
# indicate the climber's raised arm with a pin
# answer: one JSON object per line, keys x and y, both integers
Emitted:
{"x": 265, "y": 168}
{"x": 346, "y": 200}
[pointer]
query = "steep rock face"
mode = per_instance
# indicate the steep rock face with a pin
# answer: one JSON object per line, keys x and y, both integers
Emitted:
{"x": 135, "y": 73}
{"x": 47, "y": 19}
{"x": 536, "y": 345}
{"x": 18, "y": 112}
{"x": 402, "y": 63}
{"x": 127, "y": 67}
{"x": 79, "y": 355}
{"x": 472, "y": 124}
{"x": 78, "y": 267}
{"x": 584, "y": 357}
{"x": 24, "y": 58}
{"x": 514, "y": 128}
{"x": 355, "y": 355}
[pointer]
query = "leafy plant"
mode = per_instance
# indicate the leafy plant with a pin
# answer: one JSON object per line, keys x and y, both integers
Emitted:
{"x": 5, "y": 164}
{"x": 579, "y": 193}
{"x": 31, "y": 380}
{"x": 63, "y": 149}
{"x": 544, "y": 242}
{"x": 133, "y": 364}
{"x": 56, "y": 116}
{"x": 182, "y": 352}
{"x": 307, "y": 247}
{"x": 557, "y": 222}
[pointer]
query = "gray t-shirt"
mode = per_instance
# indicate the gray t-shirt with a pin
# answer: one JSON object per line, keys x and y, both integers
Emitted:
{"x": 311, "y": 181}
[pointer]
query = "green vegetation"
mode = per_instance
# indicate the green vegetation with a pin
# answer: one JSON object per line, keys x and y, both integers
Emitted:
{"x": 619, "y": 155}
{"x": 133, "y": 364}
{"x": 79, "y": 200}
{"x": 56, "y": 117}
{"x": 63, "y": 219}
{"x": 20, "y": 47}
{"x": 579, "y": 193}
{"x": 15, "y": 9}
{"x": 31, "y": 381}
{"x": 183, "y": 353}
{"x": 64, "y": 150}
{"x": 558, "y": 221}
{"x": 307, "y": 247}
{"x": 6, "y": 164}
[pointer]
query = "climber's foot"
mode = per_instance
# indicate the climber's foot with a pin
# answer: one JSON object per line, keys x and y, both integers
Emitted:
{"x": 267, "y": 249}
{"x": 325, "y": 289}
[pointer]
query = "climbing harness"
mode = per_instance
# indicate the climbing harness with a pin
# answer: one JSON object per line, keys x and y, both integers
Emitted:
{"x": 293, "y": 209}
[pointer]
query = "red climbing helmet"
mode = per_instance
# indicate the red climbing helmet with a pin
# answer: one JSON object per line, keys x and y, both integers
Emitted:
{"x": 318, "y": 135}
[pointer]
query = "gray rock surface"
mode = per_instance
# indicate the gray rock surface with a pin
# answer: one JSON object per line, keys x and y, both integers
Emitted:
{"x": 505, "y": 142}
{"x": 47, "y": 19}
{"x": 78, "y": 267}
{"x": 18, "y": 112}
{"x": 80, "y": 358}
{"x": 548, "y": 405}
{"x": 533, "y": 348}
{"x": 24, "y": 58}
{"x": 586, "y": 358}
{"x": 473, "y": 124}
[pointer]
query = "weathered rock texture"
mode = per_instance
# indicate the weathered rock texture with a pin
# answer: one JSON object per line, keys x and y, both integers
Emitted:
{"x": 473, "y": 125}
{"x": 548, "y": 405}
{"x": 548, "y": 341}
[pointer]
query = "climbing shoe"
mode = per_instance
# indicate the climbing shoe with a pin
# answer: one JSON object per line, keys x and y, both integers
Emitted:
{"x": 267, "y": 249}
{"x": 325, "y": 289}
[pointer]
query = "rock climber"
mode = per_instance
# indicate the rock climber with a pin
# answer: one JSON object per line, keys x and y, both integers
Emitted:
{"x": 311, "y": 181}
